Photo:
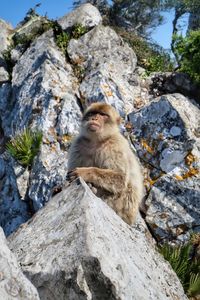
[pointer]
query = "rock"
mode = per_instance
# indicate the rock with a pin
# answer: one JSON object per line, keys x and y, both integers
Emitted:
{"x": 166, "y": 136}
{"x": 109, "y": 64}
{"x": 13, "y": 283}
{"x": 86, "y": 15}
{"x": 173, "y": 209}
{"x": 13, "y": 210}
{"x": 163, "y": 83}
{"x": 6, "y": 105}
{"x": 166, "y": 133}
{"x": 43, "y": 98}
{"x": 29, "y": 28}
{"x": 5, "y": 31}
{"x": 77, "y": 247}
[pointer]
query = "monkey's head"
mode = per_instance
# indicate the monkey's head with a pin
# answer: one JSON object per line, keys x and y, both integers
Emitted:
{"x": 100, "y": 120}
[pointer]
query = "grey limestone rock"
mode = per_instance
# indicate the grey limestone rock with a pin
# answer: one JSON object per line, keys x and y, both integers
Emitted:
{"x": 78, "y": 248}
{"x": 173, "y": 209}
{"x": 13, "y": 283}
{"x": 5, "y": 31}
{"x": 166, "y": 131}
{"x": 109, "y": 64}
{"x": 166, "y": 136}
{"x": 13, "y": 211}
{"x": 43, "y": 98}
{"x": 86, "y": 15}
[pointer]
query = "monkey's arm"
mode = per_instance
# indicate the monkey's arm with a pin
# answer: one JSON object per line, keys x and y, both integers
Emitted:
{"x": 107, "y": 179}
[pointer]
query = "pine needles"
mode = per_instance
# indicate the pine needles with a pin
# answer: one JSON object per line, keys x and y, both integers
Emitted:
{"x": 185, "y": 265}
{"x": 25, "y": 146}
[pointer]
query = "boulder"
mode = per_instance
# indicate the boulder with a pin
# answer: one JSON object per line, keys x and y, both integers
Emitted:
{"x": 173, "y": 209}
{"x": 108, "y": 65}
{"x": 77, "y": 247}
{"x": 86, "y": 15}
{"x": 13, "y": 283}
{"x": 43, "y": 98}
{"x": 166, "y": 133}
{"x": 5, "y": 31}
{"x": 13, "y": 210}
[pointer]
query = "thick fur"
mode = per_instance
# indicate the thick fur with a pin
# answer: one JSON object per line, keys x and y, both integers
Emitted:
{"x": 104, "y": 159}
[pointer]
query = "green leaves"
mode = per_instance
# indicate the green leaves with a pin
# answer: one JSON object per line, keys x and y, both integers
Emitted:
{"x": 186, "y": 267}
{"x": 25, "y": 146}
{"x": 188, "y": 52}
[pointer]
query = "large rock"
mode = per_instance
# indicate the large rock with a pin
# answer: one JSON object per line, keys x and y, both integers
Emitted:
{"x": 13, "y": 283}
{"x": 5, "y": 32}
{"x": 43, "y": 97}
{"x": 86, "y": 15}
{"x": 166, "y": 133}
{"x": 13, "y": 210}
{"x": 166, "y": 82}
{"x": 173, "y": 209}
{"x": 78, "y": 248}
{"x": 108, "y": 65}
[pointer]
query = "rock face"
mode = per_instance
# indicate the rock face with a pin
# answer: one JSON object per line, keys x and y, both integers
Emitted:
{"x": 86, "y": 15}
{"x": 109, "y": 64}
{"x": 13, "y": 283}
{"x": 78, "y": 248}
{"x": 48, "y": 89}
{"x": 166, "y": 135}
{"x": 5, "y": 31}
{"x": 14, "y": 211}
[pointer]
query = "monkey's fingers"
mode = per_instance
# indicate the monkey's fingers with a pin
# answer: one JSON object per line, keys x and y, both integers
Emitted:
{"x": 71, "y": 176}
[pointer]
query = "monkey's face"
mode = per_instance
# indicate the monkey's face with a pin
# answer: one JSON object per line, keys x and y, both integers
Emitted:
{"x": 100, "y": 120}
{"x": 95, "y": 121}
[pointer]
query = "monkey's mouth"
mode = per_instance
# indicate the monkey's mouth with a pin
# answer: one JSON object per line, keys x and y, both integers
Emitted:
{"x": 93, "y": 126}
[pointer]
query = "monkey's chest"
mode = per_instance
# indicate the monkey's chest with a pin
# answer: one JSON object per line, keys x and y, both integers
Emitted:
{"x": 93, "y": 157}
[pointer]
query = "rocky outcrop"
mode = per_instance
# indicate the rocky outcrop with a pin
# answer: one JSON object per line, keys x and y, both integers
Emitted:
{"x": 87, "y": 15}
{"x": 48, "y": 90}
{"x": 13, "y": 283}
{"x": 78, "y": 248}
{"x": 166, "y": 136}
{"x": 109, "y": 66}
{"x": 14, "y": 210}
{"x": 5, "y": 32}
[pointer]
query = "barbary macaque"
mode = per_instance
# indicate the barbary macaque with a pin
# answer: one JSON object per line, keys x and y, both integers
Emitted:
{"x": 102, "y": 157}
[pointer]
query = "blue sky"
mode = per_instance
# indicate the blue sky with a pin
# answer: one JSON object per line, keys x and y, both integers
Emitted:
{"x": 13, "y": 11}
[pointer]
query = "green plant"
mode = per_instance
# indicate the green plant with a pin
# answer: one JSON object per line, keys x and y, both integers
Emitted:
{"x": 187, "y": 50}
{"x": 150, "y": 56}
{"x": 185, "y": 265}
{"x": 62, "y": 40}
{"x": 78, "y": 30}
{"x": 7, "y": 57}
{"x": 25, "y": 146}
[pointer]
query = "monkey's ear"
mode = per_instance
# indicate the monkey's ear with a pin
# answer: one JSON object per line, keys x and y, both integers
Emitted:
{"x": 119, "y": 120}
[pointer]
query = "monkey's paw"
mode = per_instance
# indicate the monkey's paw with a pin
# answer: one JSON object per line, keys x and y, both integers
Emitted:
{"x": 78, "y": 172}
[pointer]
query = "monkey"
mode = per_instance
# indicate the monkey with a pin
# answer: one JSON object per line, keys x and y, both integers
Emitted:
{"x": 101, "y": 155}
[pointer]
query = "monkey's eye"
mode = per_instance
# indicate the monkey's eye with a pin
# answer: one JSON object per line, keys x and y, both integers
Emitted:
{"x": 103, "y": 114}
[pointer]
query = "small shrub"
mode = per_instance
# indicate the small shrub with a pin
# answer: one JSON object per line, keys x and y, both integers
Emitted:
{"x": 62, "y": 41}
{"x": 25, "y": 146}
{"x": 150, "y": 56}
{"x": 7, "y": 57}
{"x": 78, "y": 30}
{"x": 186, "y": 267}
{"x": 187, "y": 51}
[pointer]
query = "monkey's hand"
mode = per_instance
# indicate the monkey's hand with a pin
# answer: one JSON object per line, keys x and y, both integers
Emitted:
{"x": 79, "y": 172}
{"x": 109, "y": 180}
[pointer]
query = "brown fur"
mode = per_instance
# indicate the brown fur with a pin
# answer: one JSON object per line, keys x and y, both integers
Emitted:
{"x": 103, "y": 158}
